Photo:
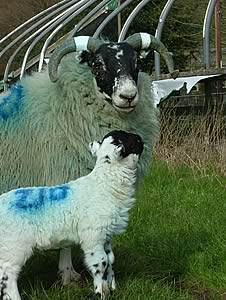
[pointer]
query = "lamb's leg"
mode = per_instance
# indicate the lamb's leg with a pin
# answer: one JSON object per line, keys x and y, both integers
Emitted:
{"x": 66, "y": 270}
{"x": 12, "y": 258}
{"x": 110, "y": 272}
{"x": 96, "y": 260}
{"x": 8, "y": 286}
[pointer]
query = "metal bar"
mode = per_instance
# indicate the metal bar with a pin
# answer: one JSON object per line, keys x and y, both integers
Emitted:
{"x": 78, "y": 8}
{"x": 31, "y": 20}
{"x": 88, "y": 16}
{"x": 35, "y": 26}
{"x": 110, "y": 17}
{"x": 72, "y": 33}
{"x": 218, "y": 14}
{"x": 5, "y": 79}
{"x": 130, "y": 19}
{"x": 119, "y": 20}
{"x": 206, "y": 33}
{"x": 158, "y": 33}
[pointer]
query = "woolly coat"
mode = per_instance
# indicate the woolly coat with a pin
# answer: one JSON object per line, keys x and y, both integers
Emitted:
{"x": 86, "y": 211}
{"x": 45, "y": 127}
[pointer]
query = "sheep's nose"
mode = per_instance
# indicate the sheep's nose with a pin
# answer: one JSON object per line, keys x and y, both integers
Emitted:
{"x": 129, "y": 98}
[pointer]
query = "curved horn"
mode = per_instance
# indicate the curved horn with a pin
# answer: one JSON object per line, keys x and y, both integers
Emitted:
{"x": 75, "y": 44}
{"x": 141, "y": 41}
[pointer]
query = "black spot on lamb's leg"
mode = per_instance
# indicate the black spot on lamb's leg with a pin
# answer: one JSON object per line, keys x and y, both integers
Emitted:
{"x": 97, "y": 272}
{"x": 8, "y": 286}
{"x": 3, "y": 286}
{"x": 110, "y": 275}
{"x": 97, "y": 264}
{"x": 105, "y": 276}
{"x": 104, "y": 263}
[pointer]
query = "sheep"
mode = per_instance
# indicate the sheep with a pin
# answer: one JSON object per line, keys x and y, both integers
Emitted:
{"x": 88, "y": 211}
{"x": 45, "y": 125}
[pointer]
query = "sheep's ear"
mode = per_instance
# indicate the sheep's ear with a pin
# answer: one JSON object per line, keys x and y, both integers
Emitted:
{"x": 93, "y": 147}
{"x": 86, "y": 57}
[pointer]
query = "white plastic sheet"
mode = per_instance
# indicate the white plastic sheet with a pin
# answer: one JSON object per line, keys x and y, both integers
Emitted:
{"x": 163, "y": 88}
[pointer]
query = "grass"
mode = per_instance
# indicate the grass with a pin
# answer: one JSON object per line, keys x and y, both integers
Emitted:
{"x": 174, "y": 248}
{"x": 175, "y": 245}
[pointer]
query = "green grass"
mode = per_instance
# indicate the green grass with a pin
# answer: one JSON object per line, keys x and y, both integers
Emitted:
{"x": 174, "y": 248}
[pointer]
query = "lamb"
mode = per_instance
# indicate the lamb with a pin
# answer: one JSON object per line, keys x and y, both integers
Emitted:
{"x": 45, "y": 126}
{"x": 88, "y": 211}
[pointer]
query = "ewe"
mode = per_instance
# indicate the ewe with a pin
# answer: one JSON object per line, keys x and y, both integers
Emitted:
{"x": 88, "y": 211}
{"x": 45, "y": 126}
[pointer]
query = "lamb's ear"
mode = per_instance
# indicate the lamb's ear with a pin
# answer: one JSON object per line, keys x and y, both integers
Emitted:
{"x": 119, "y": 152}
{"x": 86, "y": 57}
{"x": 93, "y": 147}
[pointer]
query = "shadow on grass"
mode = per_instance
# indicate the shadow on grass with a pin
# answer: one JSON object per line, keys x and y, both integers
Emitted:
{"x": 41, "y": 270}
{"x": 164, "y": 258}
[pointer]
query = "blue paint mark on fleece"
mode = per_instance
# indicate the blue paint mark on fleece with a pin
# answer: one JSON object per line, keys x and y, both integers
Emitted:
{"x": 11, "y": 103}
{"x": 34, "y": 199}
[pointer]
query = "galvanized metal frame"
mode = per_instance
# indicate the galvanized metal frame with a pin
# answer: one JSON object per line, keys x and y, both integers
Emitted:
{"x": 130, "y": 19}
{"x": 206, "y": 32}
{"x": 31, "y": 20}
{"x": 34, "y": 26}
{"x": 110, "y": 17}
{"x": 48, "y": 25}
{"x": 72, "y": 33}
{"x": 73, "y": 11}
{"x": 158, "y": 33}
{"x": 54, "y": 18}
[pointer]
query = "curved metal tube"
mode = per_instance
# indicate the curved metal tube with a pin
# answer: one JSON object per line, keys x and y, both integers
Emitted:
{"x": 79, "y": 7}
{"x": 5, "y": 79}
{"x": 158, "y": 33}
{"x": 35, "y": 25}
{"x": 130, "y": 19}
{"x": 72, "y": 33}
{"x": 206, "y": 32}
{"x": 88, "y": 16}
{"x": 110, "y": 17}
{"x": 31, "y": 20}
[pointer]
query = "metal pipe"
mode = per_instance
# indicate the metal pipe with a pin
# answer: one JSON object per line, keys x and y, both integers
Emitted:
{"x": 158, "y": 33}
{"x": 206, "y": 33}
{"x": 218, "y": 15}
{"x": 119, "y": 19}
{"x": 88, "y": 16}
{"x": 72, "y": 33}
{"x": 110, "y": 17}
{"x": 70, "y": 14}
{"x": 5, "y": 79}
{"x": 31, "y": 20}
{"x": 35, "y": 26}
{"x": 130, "y": 19}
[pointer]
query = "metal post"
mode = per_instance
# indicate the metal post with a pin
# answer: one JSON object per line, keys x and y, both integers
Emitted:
{"x": 158, "y": 33}
{"x": 218, "y": 34}
{"x": 206, "y": 33}
{"x": 119, "y": 19}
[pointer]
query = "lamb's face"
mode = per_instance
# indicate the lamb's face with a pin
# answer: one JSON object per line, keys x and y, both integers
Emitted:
{"x": 115, "y": 71}
{"x": 118, "y": 145}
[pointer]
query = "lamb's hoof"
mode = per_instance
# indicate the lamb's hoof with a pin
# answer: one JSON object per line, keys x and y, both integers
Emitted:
{"x": 69, "y": 277}
{"x": 103, "y": 292}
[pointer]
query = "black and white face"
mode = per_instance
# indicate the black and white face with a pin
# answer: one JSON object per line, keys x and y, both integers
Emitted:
{"x": 117, "y": 145}
{"x": 115, "y": 71}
